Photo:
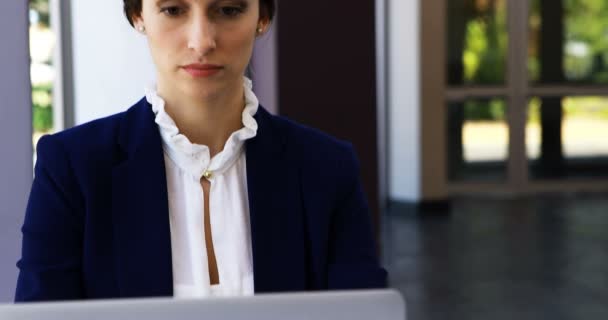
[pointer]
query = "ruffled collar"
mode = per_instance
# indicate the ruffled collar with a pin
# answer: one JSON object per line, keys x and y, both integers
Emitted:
{"x": 195, "y": 158}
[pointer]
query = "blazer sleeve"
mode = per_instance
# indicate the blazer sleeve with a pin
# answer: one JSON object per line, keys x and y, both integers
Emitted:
{"x": 353, "y": 260}
{"x": 50, "y": 264}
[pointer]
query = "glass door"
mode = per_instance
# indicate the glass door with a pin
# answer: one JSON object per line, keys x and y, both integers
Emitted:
{"x": 526, "y": 95}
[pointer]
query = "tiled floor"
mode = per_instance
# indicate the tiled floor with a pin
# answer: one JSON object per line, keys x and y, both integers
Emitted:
{"x": 526, "y": 258}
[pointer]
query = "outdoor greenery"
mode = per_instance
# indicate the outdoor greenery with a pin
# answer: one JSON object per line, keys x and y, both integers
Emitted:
{"x": 42, "y": 8}
{"x": 486, "y": 46}
{"x": 490, "y": 109}
{"x": 42, "y": 112}
{"x": 484, "y": 56}
{"x": 587, "y": 25}
{"x": 579, "y": 107}
{"x": 42, "y": 98}
{"x": 585, "y": 40}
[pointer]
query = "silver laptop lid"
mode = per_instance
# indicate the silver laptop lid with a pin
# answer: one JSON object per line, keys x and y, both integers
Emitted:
{"x": 351, "y": 305}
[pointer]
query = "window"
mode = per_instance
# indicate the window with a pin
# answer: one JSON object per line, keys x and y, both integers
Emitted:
{"x": 50, "y": 70}
{"x": 525, "y": 102}
{"x": 42, "y": 70}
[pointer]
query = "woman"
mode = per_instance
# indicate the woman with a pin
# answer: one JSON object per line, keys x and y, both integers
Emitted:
{"x": 196, "y": 190}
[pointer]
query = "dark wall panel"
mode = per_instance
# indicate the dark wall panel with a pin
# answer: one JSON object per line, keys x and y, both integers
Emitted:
{"x": 327, "y": 75}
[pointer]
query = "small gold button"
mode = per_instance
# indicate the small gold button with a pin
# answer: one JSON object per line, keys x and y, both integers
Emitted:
{"x": 208, "y": 174}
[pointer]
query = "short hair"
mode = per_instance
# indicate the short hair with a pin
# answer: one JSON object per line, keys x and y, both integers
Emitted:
{"x": 132, "y": 8}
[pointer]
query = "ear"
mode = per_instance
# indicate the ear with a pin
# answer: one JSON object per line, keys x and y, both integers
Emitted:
{"x": 263, "y": 25}
{"x": 138, "y": 21}
{"x": 139, "y": 25}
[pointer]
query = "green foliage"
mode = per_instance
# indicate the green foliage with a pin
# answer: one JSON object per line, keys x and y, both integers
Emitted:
{"x": 585, "y": 40}
{"x": 586, "y": 29}
{"x": 486, "y": 40}
{"x": 586, "y": 20}
{"x": 585, "y": 54}
{"x": 586, "y": 107}
{"x": 42, "y": 101}
{"x": 574, "y": 107}
{"x": 534, "y": 110}
{"x": 43, "y": 9}
{"x": 42, "y": 108}
{"x": 485, "y": 110}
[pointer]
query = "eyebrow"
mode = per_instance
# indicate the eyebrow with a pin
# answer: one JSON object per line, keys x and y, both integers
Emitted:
{"x": 215, "y": 2}
{"x": 159, "y": 2}
{"x": 212, "y": 2}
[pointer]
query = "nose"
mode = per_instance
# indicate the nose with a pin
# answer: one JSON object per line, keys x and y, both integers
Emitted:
{"x": 201, "y": 36}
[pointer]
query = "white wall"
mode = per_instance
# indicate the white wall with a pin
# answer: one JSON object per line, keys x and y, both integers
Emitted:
{"x": 15, "y": 138}
{"x": 404, "y": 101}
{"x": 112, "y": 65}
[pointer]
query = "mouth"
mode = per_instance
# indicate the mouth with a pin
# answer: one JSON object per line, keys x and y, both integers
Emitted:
{"x": 199, "y": 70}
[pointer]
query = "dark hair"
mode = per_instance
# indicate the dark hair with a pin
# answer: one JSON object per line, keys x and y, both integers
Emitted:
{"x": 132, "y": 9}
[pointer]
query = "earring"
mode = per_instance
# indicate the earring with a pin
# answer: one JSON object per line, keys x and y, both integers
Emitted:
{"x": 260, "y": 30}
{"x": 141, "y": 29}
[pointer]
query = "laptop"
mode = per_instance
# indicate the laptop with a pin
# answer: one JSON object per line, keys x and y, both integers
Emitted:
{"x": 329, "y": 305}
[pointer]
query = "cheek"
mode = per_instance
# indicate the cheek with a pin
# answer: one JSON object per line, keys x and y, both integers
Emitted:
{"x": 240, "y": 44}
{"x": 162, "y": 47}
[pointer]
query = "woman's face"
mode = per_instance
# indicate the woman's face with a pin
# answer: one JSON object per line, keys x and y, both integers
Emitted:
{"x": 200, "y": 47}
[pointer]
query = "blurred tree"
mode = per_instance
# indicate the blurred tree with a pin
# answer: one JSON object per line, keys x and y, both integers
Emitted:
{"x": 491, "y": 20}
{"x": 477, "y": 42}
{"x": 43, "y": 10}
{"x": 585, "y": 40}
{"x": 587, "y": 24}
{"x": 42, "y": 109}
{"x": 484, "y": 53}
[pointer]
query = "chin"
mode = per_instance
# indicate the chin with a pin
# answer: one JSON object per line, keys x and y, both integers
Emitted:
{"x": 201, "y": 89}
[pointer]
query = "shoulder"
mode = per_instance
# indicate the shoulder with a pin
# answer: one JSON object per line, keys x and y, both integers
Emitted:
{"x": 308, "y": 139}
{"x": 94, "y": 141}
{"x": 87, "y": 134}
{"x": 317, "y": 153}
{"x": 106, "y": 129}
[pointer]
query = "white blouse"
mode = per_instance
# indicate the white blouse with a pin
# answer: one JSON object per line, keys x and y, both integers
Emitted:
{"x": 185, "y": 165}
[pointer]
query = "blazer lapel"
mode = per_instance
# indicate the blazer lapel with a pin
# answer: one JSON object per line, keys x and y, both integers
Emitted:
{"x": 276, "y": 213}
{"x": 140, "y": 209}
{"x": 141, "y": 213}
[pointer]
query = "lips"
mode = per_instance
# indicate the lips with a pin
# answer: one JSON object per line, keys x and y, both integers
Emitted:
{"x": 198, "y": 70}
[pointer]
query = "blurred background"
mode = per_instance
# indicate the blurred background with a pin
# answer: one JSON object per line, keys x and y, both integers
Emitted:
{"x": 481, "y": 127}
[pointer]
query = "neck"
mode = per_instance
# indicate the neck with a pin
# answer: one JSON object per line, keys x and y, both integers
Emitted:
{"x": 206, "y": 120}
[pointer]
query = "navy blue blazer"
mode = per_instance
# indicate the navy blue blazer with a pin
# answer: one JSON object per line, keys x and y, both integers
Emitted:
{"x": 97, "y": 221}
